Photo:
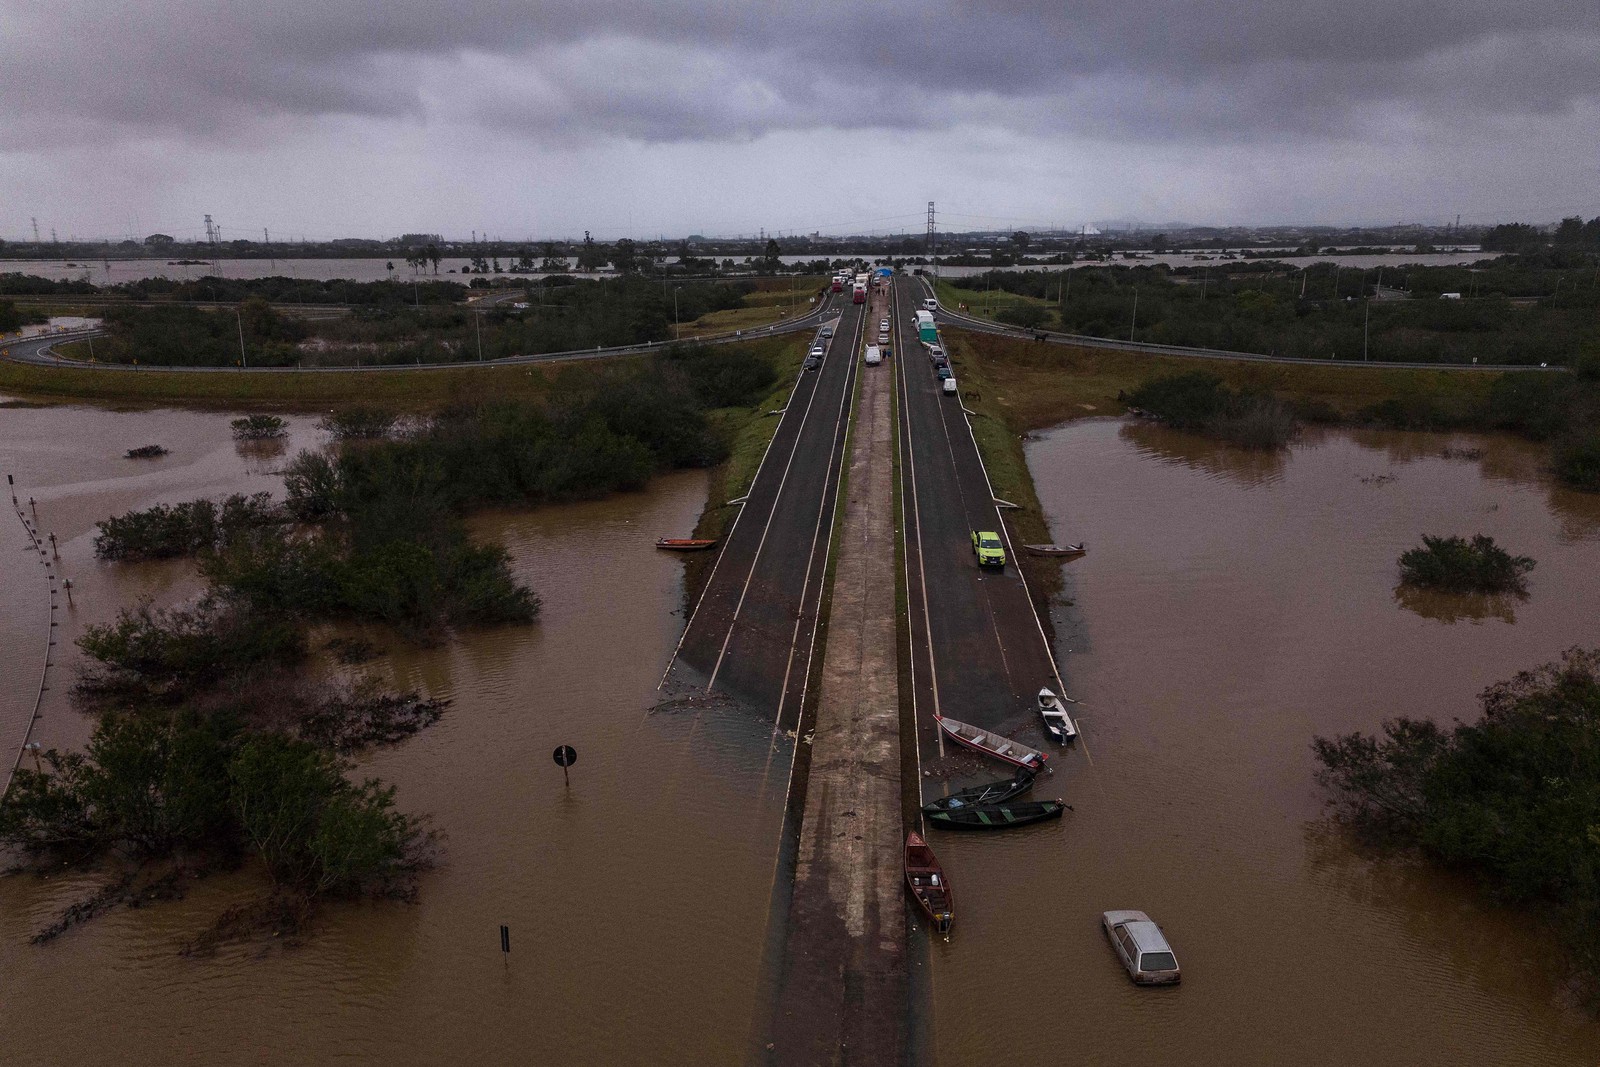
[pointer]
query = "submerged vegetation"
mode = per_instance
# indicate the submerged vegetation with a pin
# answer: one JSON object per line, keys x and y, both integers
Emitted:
{"x": 259, "y": 428}
{"x": 1456, "y": 565}
{"x": 166, "y": 531}
{"x": 1562, "y": 409}
{"x": 1513, "y": 798}
{"x": 211, "y": 749}
{"x": 1200, "y": 401}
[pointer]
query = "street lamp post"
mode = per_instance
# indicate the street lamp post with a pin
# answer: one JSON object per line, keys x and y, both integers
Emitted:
{"x": 240, "y": 320}
{"x": 675, "y": 328}
{"x": 477, "y": 323}
{"x": 1135, "y": 324}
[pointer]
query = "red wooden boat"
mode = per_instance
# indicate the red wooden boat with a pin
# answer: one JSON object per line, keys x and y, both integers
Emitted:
{"x": 685, "y": 544}
{"x": 991, "y": 744}
{"x": 926, "y": 880}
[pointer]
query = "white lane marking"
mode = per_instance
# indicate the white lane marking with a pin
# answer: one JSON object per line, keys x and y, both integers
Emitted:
{"x": 678, "y": 648}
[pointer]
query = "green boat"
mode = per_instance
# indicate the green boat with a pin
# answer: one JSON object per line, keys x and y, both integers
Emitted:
{"x": 997, "y": 816}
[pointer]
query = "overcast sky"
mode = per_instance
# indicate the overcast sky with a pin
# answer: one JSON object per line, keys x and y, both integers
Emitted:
{"x": 374, "y": 117}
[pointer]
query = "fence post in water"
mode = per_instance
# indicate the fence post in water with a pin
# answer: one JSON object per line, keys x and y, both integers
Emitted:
{"x": 565, "y": 756}
{"x": 505, "y": 943}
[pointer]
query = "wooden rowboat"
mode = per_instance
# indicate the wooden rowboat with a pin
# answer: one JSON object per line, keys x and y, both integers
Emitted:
{"x": 1057, "y": 723}
{"x": 990, "y": 744}
{"x": 685, "y": 544}
{"x": 993, "y": 793}
{"x": 926, "y": 880}
{"x": 1072, "y": 551}
{"x": 997, "y": 816}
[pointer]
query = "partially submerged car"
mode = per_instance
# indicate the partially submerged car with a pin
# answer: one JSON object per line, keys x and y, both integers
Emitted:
{"x": 989, "y": 549}
{"x": 1142, "y": 947}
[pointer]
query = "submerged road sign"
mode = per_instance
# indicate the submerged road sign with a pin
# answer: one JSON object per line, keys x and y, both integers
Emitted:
{"x": 565, "y": 756}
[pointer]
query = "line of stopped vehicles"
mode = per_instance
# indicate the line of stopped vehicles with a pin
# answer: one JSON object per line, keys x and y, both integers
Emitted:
{"x": 1137, "y": 940}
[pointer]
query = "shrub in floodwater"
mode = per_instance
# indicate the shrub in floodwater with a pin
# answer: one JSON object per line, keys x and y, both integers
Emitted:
{"x": 1513, "y": 798}
{"x": 170, "y": 655}
{"x": 259, "y": 428}
{"x": 146, "y": 452}
{"x": 169, "y": 530}
{"x": 149, "y": 786}
{"x": 1199, "y": 401}
{"x": 1577, "y": 460}
{"x": 360, "y": 422}
{"x": 1457, "y": 565}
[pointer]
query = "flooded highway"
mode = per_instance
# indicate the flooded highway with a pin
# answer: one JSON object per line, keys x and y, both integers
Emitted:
{"x": 1231, "y": 606}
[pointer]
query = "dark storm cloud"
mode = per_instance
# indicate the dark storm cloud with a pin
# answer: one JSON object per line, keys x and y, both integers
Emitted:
{"x": 701, "y": 70}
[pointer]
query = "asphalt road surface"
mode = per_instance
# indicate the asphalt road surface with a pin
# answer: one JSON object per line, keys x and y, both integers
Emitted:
{"x": 978, "y": 653}
{"x": 751, "y": 635}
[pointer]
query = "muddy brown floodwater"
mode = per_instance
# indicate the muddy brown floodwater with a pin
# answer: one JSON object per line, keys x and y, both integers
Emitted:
{"x": 1231, "y": 606}
{"x": 636, "y": 900}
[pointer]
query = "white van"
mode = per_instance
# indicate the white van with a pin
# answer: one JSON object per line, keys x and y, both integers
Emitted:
{"x": 874, "y": 355}
{"x": 949, "y": 387}
{"x": 930, "y": 304}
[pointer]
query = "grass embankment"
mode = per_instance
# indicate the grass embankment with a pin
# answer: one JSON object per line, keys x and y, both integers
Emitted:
{"x": 985, "y": 302}
{"x": 777, "y": 299}
{"x": 1034, "y": 384}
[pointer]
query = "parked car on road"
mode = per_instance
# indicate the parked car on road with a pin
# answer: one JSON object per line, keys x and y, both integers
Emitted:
{"x": 949, "y": 387}
{"x": 1141, "y": 946}
{"x": 942, "y": 372}
{"x": 987, "y": 546}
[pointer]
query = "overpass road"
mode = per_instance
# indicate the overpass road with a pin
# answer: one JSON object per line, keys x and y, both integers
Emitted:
{"x": 951, "y": 317}
{"x": 38, "y": 351}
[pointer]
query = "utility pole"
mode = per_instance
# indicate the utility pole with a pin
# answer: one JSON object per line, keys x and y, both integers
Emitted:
{"x": 240, "y": 320}
{"x": 1366, "y": 332}
{"x": 477, "y": 323}
{"x": 1135, "y": 324}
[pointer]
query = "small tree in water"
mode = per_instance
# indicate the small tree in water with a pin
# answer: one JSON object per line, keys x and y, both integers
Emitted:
{"x": 1457, "y": 565}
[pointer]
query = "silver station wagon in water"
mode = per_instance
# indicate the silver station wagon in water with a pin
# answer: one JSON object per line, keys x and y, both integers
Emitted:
{"x": 1141, "y": 946}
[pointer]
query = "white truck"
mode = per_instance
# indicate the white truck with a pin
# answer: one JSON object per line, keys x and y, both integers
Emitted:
{"x": 874, "y": 355}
